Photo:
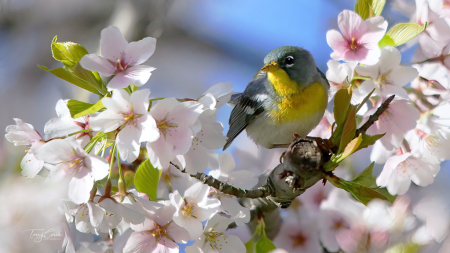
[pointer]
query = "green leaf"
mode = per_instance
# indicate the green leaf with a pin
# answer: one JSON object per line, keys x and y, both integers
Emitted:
{"x": 264, "y": 245}
{"x": 407, "y": 247}
{"x": 76, "y": 107}
{"x": 348, "y": 133}
{"x": 369, "y": 8}
{"x": 368, "y": 140}
{"x": 389, "y": 197}
{"x": 341, "y": 103}
{"x": 400, "y": 34}
{"x": 147, "y": 179}
{"x": 365, "y": 178}
{"x": 69, "y": 53}
{"x": 250, "y": 246}
{"x": 361, "y": 193}
{"x": 351, "y": 148}
{"x": 91, "y": 77}
{"x": 69, "y": 77}
{"x": 87, "y": 108}
{"x": 360, "y": 105}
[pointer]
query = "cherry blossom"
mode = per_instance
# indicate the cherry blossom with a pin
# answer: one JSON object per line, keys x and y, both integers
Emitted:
{"x": 160, "y": 234}
{"x": 240, "y": 178}
{"x": 436, "y": 220}
{"x": 338, "y": 74}
{"x": 64, "y": 124}
{"x": 194, "y": 208}
{"x": 213, "y": 238}
{"x": 128, "y": 113}
{"x": 121, "y": 59}
{"x": 67, "y": 160}
{"x": 400, "y": 170}
{"x": 222, "y": 92}
{"x": 359, "y": 41}
{"x": 24, "y": 134}
{"x": 395, "y": 121}
{"x": 387, "y": 75}
{"x": 174, "y": 121}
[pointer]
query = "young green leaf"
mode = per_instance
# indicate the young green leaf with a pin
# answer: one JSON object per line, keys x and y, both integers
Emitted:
{"x": 351, "y": 148}
{"x": 348, "y": 133}
{"x": 369, "y": 8}
{"x": 365, "y": 178}
{"x": 368, "y": 140}
{"x": 76, "y": 107}
{"x": 264, "y": 245}
{"x": 400, "y": 34}
{"x": 361, "y": 193}
{"x": 90, "y": 110}
{"x": 66, "y": 75}
{"x": 69, "y": 53}
{"x": 147, "y": 179}
{"x": 250, "y": 246}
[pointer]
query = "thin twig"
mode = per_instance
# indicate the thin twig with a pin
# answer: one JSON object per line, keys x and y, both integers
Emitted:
{"x": 374, "y": 117}
{"x": 260, "y": 192}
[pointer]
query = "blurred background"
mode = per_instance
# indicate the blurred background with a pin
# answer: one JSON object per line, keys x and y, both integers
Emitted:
{"x": 200, "y": 43}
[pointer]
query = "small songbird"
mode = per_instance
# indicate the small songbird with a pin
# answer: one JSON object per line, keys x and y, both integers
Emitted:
{"x": 287, "y": 96}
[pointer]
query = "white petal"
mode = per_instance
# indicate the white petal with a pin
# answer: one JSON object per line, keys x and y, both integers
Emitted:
{"x": 80, "y": 187}
{"x": 197, "y": 193}
{"x": 96, "y": 213}
{"x": 22, "y": 133}
{"x": 160, "y": 110}
{"x": 401, "y": 76}
{"x": 140, "y": 102}
{"x": 31, "y": 165}
{"x": 160, "y": 153}
{"x": 98, "y": 165}
{"x": 140, "y": 242}
{"x": 130, "y": 215}
{"x": 150, "y": 131}
{"x": 60, "y": 127}
{"x": 137, "y": 75}
{"x": 128, "y": 142}
{"x": 106, "y": 121}
{"x": 178, "y": 233}
{"x": 196, "y": 160}
{"x": 138, "y": 52}
{"x": 192, "y": 225}
{"x": 112, "y": 43}
{"x": 56, "y": 151}
{"x": 97, "y": 63}
{"x": 119, "y": 102}
{"x": 243, "y": 179}
{"x": 389, "y": 59}
{"x": 226, "y": 162}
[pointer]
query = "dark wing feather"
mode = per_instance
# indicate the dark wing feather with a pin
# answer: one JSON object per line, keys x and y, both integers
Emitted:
{"x": 323, "y": 76}
{"x": 246, "y": 102}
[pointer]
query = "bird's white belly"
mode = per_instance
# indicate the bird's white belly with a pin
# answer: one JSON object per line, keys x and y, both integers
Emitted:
{"x": 266, "y": 133}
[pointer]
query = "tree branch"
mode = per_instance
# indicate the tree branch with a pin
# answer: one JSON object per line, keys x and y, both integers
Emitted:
{"x": 374, "y": 117}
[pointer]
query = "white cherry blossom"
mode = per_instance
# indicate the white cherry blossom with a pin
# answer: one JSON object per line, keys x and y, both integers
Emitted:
{"x": 25, "y": 134}
{"x": 193, "y": 208}
{"x": 214, "y": 240}
{"x": 174, "y": 121}
{"x": 338, "y": 74}
{"x": 121, "y": 59}
{"x": 129, "y": 114}
{"x": 66, "y": 159}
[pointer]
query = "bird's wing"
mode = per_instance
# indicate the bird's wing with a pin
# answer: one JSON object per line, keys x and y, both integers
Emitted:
{"x": 323, "y": 76}
{"x": 249, "y": 104}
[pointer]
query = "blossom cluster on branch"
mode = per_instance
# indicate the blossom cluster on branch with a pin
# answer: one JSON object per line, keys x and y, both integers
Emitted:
{"x": 136, "y": 170}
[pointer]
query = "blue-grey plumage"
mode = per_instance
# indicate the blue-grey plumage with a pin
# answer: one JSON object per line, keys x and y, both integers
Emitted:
{"x": 287, "y": 96}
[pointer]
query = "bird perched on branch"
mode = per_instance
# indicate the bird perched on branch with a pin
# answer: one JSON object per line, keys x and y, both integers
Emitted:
{"x": 287, "y": 96}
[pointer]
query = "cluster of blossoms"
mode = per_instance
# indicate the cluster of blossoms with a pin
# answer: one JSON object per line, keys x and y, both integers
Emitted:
{"x": 98, "y": 151}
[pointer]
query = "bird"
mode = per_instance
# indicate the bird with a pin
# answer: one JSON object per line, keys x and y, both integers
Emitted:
{"x": 287, "y": 97}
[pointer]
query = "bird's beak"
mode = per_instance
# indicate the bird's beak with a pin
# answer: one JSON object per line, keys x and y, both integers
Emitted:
{"x": 270, "y": 67}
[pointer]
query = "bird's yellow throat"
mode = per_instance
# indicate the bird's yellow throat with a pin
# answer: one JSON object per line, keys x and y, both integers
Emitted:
{"x": 296, "y": 104}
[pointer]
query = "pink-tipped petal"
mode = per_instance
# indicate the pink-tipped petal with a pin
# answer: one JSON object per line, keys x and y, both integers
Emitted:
{"x": 112, "y": 43}
{"x": 97, "y": 63}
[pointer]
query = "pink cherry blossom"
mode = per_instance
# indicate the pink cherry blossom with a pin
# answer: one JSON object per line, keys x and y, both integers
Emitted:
{"x": 129, "y": 114}
{"x": 121, "y": 59}
{"x": 359, "y": 39}
{"x": 338, "y": 74}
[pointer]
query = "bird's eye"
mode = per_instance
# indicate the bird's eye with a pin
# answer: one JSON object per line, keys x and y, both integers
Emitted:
{"x": 289, "y": 60}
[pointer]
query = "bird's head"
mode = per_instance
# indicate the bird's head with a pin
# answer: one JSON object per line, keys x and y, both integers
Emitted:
{"x": 296, "y": 62}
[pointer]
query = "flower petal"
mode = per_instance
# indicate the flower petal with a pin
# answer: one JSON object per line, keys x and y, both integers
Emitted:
{"x": 138, "y": 52}
{"x": 137, "y": 75}
{"x": 112, "y": 43}
{"x": 128, "y": 142}
{"x": 81, "y": 186}
{"x": 97, "y": 63}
